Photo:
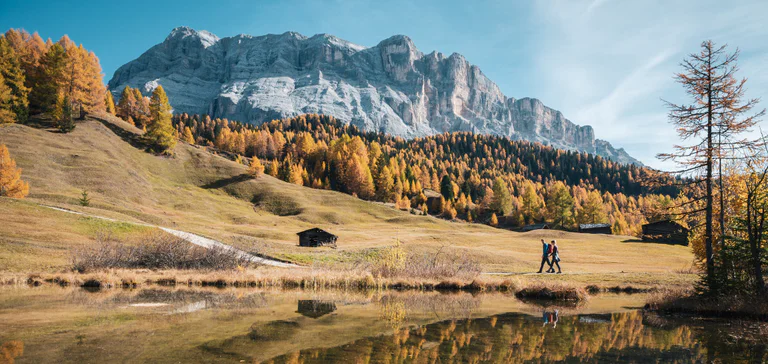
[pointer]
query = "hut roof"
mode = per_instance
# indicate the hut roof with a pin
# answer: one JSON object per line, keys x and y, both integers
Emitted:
{"x": 431, "y": 193}
{"x": 593, "y": 226}
{"x": 540, "y": 226}
{"x": 315, "y": 231}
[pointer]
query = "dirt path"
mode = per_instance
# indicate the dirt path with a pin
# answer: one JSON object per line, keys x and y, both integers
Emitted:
{"x": 193, "y": 239}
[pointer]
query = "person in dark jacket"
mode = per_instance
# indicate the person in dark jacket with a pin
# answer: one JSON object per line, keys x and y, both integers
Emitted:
{"x": 555, "y": 259}
{"x": 545, "y": 256}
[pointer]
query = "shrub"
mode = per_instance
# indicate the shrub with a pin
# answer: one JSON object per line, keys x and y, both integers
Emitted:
{"x": 157, "y": 250}
{"x": 394, "y": 261}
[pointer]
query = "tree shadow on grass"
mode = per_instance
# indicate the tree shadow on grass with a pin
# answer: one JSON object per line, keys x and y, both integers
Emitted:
{"x": 135, "y": 140}
{"x": 227, "y": 181}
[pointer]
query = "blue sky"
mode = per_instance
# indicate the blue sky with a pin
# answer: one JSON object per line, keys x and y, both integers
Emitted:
{"x": 605, "y": 63}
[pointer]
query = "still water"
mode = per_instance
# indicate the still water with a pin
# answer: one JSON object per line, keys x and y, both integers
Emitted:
{"x": 60, "y": 325}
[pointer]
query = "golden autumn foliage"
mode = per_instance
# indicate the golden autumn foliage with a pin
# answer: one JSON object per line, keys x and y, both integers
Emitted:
{"x": 54, "y": 69}
{"x": 492, "y": 174}
{"x": 160, "y": 131}
{"x": 256, "y": 168}
{"x": 11, "y": 184}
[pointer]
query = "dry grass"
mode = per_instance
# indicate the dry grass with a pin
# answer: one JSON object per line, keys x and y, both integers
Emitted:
{"x": 156, "y": 250}
{"x": 202, "y": 193}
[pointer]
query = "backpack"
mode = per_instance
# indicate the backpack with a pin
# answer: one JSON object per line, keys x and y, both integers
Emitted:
{"x": 549, "y": 250}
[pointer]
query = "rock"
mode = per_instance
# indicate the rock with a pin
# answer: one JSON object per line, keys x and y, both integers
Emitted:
{"x": 392, "y": 87}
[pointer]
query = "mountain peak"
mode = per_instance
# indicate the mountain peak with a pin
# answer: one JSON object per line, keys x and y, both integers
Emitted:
{"x": 391, "y": 87}
{"x": 205, "y": 37}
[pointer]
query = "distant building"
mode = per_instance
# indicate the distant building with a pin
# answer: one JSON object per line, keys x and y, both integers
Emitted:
{"x": 595, "y": 228}
{"x": 666, "y": 231}
{"x": 531, "y": 227}
{"x": 316, "y": 237}
{"x": 434, "y": 200}
{"x": 315, "y": 308}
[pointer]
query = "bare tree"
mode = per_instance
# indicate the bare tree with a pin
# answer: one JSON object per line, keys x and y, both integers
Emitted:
{"x": 711, "y": 125}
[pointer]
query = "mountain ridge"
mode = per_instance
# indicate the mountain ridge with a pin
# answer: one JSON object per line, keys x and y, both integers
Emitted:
{"x": 391, "y": 87}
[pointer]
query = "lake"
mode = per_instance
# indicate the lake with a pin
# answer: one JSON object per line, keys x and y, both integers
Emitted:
{"x": 182, "y": 325}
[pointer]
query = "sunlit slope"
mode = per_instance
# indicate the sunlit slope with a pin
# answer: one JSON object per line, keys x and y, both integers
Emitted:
{"x": 207, "y": 194}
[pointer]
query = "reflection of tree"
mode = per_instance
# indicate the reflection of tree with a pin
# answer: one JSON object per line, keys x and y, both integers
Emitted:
{"x": 10, "y": 351}
{"x": 514, "y": 338}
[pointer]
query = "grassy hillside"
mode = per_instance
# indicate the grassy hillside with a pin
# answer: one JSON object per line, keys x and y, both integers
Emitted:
{"x": 206, "y": 194}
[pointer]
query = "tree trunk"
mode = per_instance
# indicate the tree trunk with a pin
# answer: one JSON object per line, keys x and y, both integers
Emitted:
{"x": 755, "y": 232}
{"x": 708, "y": 228}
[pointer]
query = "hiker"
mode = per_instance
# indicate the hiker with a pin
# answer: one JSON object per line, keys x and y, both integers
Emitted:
{"x": 555, "y": 259}
{"x": 545, "y": 255}
{"x": 555, "y": 317}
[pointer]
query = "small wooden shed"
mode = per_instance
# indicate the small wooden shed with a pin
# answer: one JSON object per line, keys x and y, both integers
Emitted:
{"x": 316, "y": 237}
{"x": 595, "y": 228}
{"x": 666, "y": 231}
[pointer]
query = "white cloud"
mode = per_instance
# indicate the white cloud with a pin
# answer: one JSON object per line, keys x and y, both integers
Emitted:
{"x": 608, "y": 63}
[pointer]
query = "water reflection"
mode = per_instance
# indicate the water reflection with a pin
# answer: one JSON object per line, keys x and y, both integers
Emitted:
{"x": 315, "y": 308}
{"x": 519, "y": 338}
{"x": 272, "y": 326}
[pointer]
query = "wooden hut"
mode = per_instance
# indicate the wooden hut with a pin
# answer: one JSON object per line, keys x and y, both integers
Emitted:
{"x": 532, "y": 227}
{"x": 316, "y": 237}
{"x": 595, "y": 229}
{"x": 666, "y": 231}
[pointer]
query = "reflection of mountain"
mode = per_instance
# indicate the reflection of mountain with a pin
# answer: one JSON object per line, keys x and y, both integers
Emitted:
{"x": 515, "y": 337}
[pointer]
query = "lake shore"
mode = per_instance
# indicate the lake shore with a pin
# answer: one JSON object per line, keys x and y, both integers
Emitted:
{"x": 686, "y": 302}
{"x": 532, "y": 286}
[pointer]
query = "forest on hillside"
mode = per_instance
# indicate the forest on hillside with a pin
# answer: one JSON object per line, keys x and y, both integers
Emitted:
{"x": 474, "y": 177}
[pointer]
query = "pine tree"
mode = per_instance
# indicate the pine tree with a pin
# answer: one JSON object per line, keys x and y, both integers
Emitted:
{"x": 109, "y": 103}
{"x": 84, "y": 200}
{"x": 385, "y": 186}
{"x": 160, "y": 131}
{"x": 52, "y": 80}
{"x": 13, "y": 78}
{"x": 62, "y": 114}
{"x": 446, "y": 188}
{"x": 11, "y": 184}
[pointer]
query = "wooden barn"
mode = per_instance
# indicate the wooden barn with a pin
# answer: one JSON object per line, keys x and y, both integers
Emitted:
{"x": 532, "y": 227}
{"x": 433, "y": 200}
{"x": 595, "y": 228}
{"x": 666, "y": 231}
{"x": 316, "y": 237}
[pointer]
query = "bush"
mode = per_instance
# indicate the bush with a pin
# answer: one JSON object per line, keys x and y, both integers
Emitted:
{"x": 155, "y": 251}
{"x": 396, "y": 262}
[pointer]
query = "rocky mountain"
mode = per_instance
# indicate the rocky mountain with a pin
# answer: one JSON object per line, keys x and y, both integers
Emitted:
{"x": 391, "y": 87}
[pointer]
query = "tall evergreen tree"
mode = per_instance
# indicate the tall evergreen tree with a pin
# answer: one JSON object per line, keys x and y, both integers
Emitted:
{"x": 160, "y": 130}
{"x": 52, "y": 80}
{"x": 13, "y": 78}
{"x": 446, "y": 188}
